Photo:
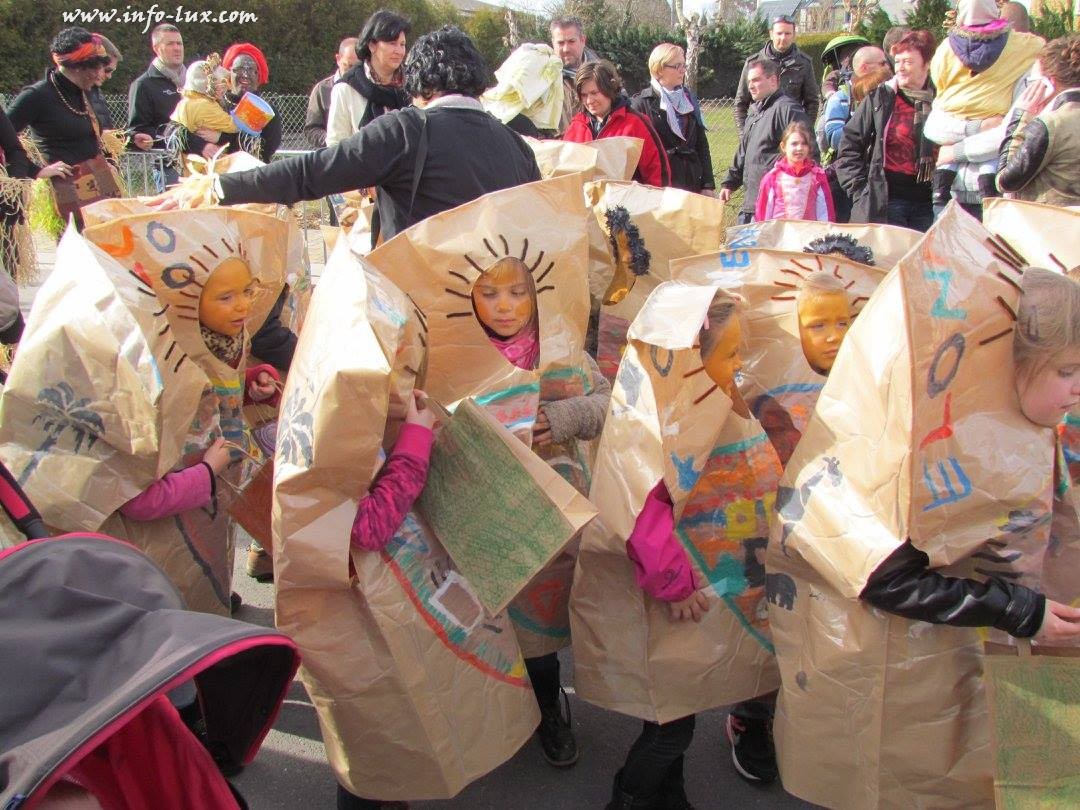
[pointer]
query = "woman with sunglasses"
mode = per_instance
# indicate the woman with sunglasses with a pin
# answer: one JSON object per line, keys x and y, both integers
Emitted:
{"x": 675, "y": 114}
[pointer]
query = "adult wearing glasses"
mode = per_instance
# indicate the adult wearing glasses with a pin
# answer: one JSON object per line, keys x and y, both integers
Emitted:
{"x": 676, "y": 116}
{"x": 795, "y": 69}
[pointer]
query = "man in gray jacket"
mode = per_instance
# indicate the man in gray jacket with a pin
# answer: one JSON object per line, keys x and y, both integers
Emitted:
{"x": 795, "y": 68}
{"x": 759, "y": 143}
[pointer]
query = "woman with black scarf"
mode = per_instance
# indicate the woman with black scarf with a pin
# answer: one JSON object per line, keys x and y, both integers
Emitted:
{"x": 373, "y": 86}
{"x": 885, "y": 162}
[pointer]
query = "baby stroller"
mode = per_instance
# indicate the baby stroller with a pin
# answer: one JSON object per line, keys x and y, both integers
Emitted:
{"x": 94, "y": 641}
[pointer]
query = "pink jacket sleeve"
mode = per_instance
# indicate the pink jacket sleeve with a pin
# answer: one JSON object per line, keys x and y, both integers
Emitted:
{"x": 172, "y": 494}
{"x": 395, "y": 488}
{"x": 764, "y": 196}
{"x": 249, "y": 377}
{"x": 663, "y": 569}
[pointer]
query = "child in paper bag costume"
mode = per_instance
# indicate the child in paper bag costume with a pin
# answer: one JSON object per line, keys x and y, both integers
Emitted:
{"x": 505, "y": 306}
{"x": 635, "y": 234}
{"x": 799, "y": 308}
{"x": 691, "y": 540}
{"x": 418, "y": 691}
{"x": 123, "y": 414}
{"x": 936, "y": 429}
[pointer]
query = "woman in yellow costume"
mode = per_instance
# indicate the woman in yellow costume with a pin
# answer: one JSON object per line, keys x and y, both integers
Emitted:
{"x": 938, "y": 421}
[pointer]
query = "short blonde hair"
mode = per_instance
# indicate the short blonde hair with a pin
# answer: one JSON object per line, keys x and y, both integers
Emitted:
{"x": 1047, "y": 320}
{"x": 661, "y": 55}
{"x": 821, "y": 282}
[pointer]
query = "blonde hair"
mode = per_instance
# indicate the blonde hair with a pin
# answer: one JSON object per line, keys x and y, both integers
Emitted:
{"x": 660, "y": 55}
{"x": 1047, "y": 320}
{"x": 722, "y": 309}
{"x": 821, "y": 282}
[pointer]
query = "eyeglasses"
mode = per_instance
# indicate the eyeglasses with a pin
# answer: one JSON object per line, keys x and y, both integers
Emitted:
{"x": 783, "y": 18}
{"x": 676, "y": 66}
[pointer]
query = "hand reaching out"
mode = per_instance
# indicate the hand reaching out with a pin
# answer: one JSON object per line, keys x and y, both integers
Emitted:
{"x": 218, "y": 456}
{"x": 542, "y": 429}
{"x": 695, "y": 606}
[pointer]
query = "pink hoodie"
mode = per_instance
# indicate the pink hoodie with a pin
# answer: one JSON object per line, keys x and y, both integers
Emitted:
{"x": 663, "y": 567}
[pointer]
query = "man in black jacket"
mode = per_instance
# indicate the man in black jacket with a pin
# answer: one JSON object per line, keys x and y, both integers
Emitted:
{"x": 795, "y": 68}
{"x": 422, "y": 160}
{"x": 759, "y": 143}
{"x": 318, "y": 106}
{"x": 154, "y": 95}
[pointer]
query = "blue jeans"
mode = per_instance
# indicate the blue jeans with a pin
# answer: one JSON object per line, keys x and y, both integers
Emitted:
{"x": 915, "y": 214}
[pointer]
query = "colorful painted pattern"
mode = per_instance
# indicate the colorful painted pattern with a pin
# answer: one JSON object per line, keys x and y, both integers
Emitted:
{"x": 446, "y": 602}
{"x": 725, "y": 526}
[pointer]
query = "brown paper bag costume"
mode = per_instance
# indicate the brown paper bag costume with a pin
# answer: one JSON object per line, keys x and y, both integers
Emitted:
{"x": 418, "y": 691}
{"x": 917, "y": 434}
{"x": 667, "y": 420}
{"x": 603, "y": 159}
{"x": 437, "y": 261}
{"x": 671, "y": 224}
{"x": 778, "y": 383}
{"x": 886, "y": 243}
{"x": 114, "y": 386}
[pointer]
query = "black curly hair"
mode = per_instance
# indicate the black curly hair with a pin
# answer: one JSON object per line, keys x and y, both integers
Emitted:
{"x": 446, "y": 61}
{"x": 843, "y": 244}
{"x": 71, "y": 39}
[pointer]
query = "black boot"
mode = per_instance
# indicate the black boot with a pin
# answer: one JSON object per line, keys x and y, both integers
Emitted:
{"x": 621, "y": 800}
{"x": 556, "y": 735}
{"x": 673, "y": 790}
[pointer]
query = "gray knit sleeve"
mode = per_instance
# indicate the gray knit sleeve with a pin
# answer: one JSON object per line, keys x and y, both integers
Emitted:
{"x": 580, "y": 417}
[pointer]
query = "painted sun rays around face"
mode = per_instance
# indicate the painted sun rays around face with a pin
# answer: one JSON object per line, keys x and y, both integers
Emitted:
{"x": 463, "y": 279}
{"x": 181, "y": 283}
{"x": 801, "y": 270}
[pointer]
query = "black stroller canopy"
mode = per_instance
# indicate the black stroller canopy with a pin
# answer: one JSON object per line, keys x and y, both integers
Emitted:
{"x": 90, "y": 632}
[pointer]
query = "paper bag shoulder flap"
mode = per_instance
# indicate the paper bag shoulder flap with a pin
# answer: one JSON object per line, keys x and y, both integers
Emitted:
{"x": 1034, "y": 234}
{"x": 101, "y": 395}
{"x": 961, "y": 300}
{"x": 876, "y": 245}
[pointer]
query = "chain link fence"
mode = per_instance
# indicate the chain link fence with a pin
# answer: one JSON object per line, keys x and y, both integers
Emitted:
{"x": 142, "y": 171}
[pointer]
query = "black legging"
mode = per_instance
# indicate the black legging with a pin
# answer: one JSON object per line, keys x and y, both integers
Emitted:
{"x": 655, "y": 760}
{"x": 544, "y": 675}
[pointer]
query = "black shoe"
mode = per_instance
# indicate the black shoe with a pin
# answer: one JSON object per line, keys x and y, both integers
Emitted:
{"x": 556, "y": 737}
{"x": 621, "y": 800}
{"x": 234, "y": 602}
{"x": 752, "y": 750}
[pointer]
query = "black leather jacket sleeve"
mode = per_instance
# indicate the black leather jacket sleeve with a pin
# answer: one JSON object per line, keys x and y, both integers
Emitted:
{"x": 275, "y": 343}
{"x": 1023, "y": 152}
{"x": 903, "y": 584}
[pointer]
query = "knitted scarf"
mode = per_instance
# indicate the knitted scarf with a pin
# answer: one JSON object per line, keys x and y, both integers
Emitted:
{"x": 385, "y": 96}
{"x": 227, "y": 349}
{"x": 674, "y": 103}
{"x": 926, "y": 154}
{"x": 523, "y": 349}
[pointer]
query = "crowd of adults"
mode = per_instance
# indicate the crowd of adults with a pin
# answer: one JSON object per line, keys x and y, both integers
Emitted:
{"x": 892, "y": 153}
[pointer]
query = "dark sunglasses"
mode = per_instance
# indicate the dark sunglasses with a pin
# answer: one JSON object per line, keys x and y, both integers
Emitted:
{"x": 783, "y": 18}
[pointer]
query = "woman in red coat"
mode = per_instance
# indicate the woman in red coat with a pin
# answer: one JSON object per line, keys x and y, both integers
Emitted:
{"x": 607, "y": 114}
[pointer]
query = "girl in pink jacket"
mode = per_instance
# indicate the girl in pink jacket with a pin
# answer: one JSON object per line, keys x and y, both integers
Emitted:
{"x": 796, "y": 187}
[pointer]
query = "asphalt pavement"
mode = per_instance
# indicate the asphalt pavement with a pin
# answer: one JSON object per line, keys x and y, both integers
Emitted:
{"x": 291, "y": 771}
